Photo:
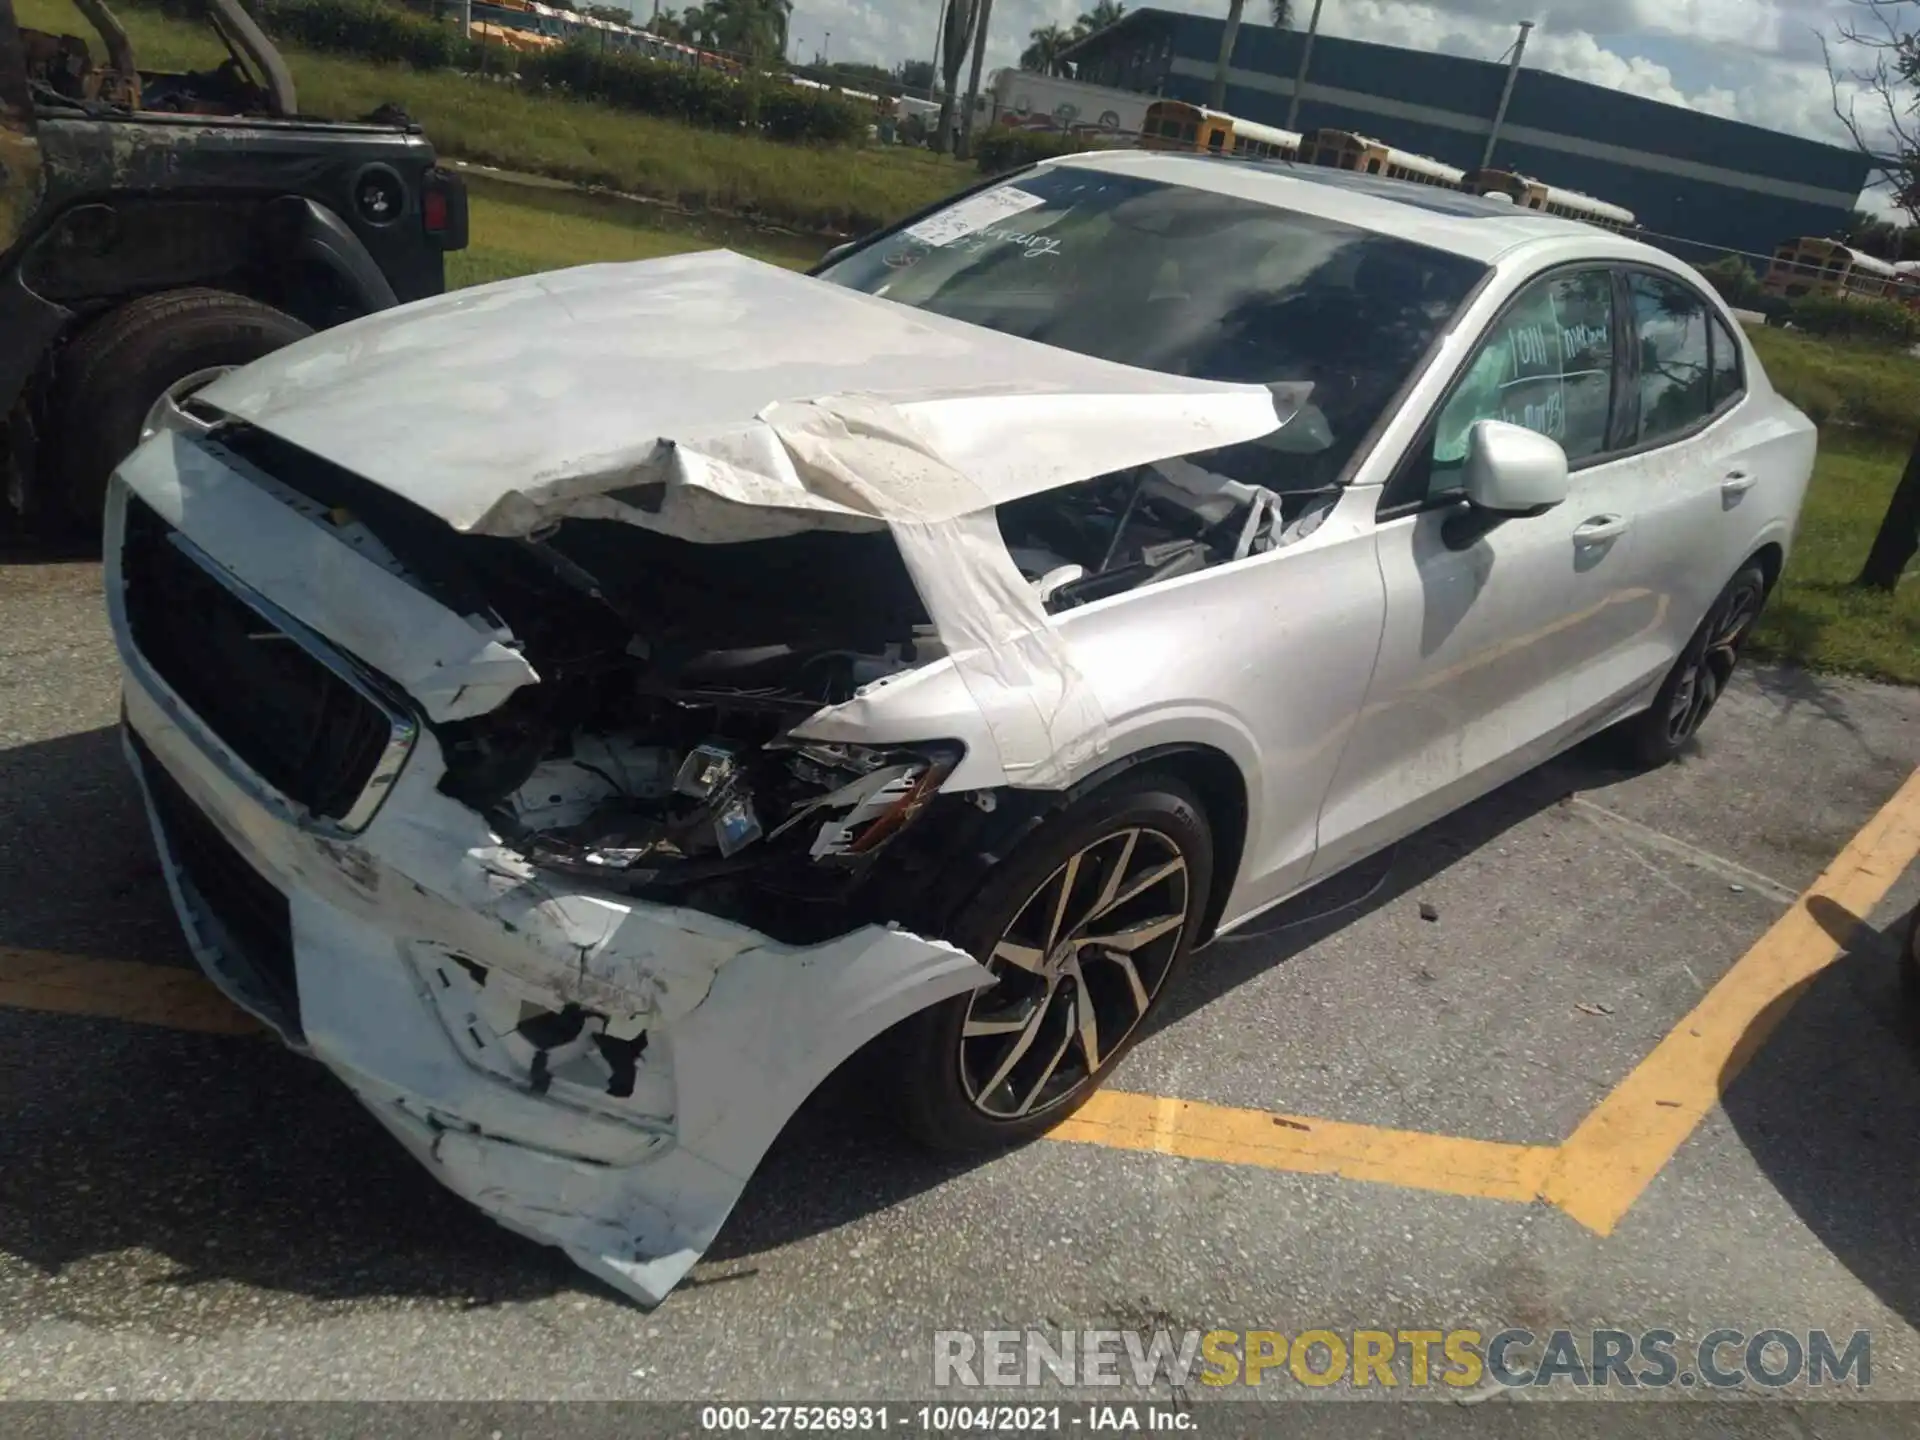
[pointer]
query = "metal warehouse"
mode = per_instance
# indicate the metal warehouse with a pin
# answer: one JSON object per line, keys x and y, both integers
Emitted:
{"x": 1721, "y": 184}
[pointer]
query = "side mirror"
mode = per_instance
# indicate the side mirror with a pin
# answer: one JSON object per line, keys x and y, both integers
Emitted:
{"x": 1512, "y": 470}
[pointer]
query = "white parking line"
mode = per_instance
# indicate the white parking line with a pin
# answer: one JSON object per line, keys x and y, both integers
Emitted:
{"x": 1731, "y": 871}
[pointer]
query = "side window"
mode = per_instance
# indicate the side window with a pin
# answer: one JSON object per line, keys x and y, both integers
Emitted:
{"x": 1547, "y": 364}
{"x": 1727, "y": 379}
{"x": 1670, "y": 327}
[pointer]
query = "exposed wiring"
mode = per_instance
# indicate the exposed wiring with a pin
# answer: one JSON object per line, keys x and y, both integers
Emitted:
{"x": 1120, "y": 526}
{"x": 618, "y": 788}
{"x": 1372, "y": 890}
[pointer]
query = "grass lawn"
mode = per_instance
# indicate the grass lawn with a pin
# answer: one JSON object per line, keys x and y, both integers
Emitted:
{"x": 517, "y": 229}
{"x": 1816, "y": 617}
{"x": 838, "y": 190}
{"x": 1866, "y": 400}
{"x": 1846, "y": 385}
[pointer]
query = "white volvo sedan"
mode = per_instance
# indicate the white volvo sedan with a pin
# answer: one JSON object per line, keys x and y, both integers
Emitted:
{"x": 584, "y": 710}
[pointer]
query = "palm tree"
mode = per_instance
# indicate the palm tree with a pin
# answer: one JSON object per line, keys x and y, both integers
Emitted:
{"x": 1103, "y": 14}
{"x": 956, "y": 36}
{"x": 755, "y": 28}
{"x": 692, "y": 26}
{"x": 1042, "y": 55}
{"x": 1218, "y": 100}
{"x": 1282, "y": 13}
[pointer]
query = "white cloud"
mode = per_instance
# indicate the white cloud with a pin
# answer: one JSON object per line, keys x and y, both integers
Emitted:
{"x": 1752, "y": 60}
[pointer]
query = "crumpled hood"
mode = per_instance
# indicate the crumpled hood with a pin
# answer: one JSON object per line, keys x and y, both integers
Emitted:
{"x": 506, "y": 406}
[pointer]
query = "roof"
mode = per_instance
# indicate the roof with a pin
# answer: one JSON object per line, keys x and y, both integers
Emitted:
{"x": 1475, "y": 226}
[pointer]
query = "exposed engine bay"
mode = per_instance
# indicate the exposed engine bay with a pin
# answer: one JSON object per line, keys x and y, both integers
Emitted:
{"x": 655, "y": 758}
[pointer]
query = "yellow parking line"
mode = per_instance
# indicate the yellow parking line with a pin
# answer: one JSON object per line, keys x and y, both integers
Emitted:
{"x": 1200, "y": 1131}
{"x": 117, "y": 990}
{"x": 1617, "y": 1150}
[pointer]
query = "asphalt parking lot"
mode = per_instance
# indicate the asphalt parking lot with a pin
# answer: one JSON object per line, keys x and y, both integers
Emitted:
{"x": 1476, "y": 1085}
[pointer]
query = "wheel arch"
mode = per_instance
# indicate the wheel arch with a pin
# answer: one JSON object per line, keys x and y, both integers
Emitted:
{"x": 1213, "y": 776}
{"x": 1771, "y": 558}
{"x": 975, "y": 843}
{"x": 103, "y": 251}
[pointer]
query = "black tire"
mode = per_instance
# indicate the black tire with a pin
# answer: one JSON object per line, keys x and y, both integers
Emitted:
{"x": 114, "y": 371}
{"x": 935, "y": 1079}
{"x": 1700, "y": 675}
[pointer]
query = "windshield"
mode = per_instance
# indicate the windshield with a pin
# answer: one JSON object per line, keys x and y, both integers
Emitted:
{"x": 1187, "y": 282}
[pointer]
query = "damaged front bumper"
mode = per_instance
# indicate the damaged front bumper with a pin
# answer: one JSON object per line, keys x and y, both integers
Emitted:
{"x": 597, "y": 1073}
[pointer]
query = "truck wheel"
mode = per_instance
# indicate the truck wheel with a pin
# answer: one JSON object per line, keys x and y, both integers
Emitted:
{"x": 120, "y": 367}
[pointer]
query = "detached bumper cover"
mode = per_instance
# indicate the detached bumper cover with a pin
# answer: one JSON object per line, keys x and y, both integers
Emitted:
{"x": 595, "y": 1073}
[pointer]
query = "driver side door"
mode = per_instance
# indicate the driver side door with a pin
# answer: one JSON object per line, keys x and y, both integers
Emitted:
{"x": 1483, "y": 638}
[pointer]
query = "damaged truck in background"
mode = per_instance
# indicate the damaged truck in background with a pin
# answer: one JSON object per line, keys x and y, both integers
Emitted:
{"x": 159, "y": 229}
{"x": 583, "y": 711}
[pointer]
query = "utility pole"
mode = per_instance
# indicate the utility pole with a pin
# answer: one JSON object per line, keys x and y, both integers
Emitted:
{"x": 939, "y": 36}
{"x": 973, "y": 78}
{"x": 1506, "y": 94}
{"x": 1300, "y": 75}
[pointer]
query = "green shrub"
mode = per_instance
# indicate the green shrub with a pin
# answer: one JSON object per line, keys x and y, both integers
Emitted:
{"x": 1735, "y": 281}
{"x": 1886, "y": 321}
{"x": 698, "y": 97}
{"x": 373, "y": 31}
{"x": 1003, "y": 148}
{"x": 790, "y": 113}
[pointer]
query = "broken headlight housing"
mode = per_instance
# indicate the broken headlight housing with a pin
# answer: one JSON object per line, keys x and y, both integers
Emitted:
{"x": 865, "y": 796}
{"x": 729, "y": 808}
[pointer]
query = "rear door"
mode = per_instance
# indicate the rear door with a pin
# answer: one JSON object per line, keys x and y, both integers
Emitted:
{"x": 1484, "y": 644}
{"x": 1687, "y": 468}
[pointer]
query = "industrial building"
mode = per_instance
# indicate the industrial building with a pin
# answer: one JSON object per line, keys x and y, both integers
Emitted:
{"x": 1719, "y": 184}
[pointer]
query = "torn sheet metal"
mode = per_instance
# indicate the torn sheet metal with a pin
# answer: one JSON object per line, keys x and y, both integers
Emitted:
{"x": 505, "y": 406}
{"x": 734, "y": 1029}
{"x": 719, "y": 400}
{"x": 454, "y": 666}
{"x": 1045, "y": 719}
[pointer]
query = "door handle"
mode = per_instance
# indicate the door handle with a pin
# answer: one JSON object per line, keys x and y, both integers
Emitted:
{"x": 1737, "y": 482}
{"x": 1600, "y": 529}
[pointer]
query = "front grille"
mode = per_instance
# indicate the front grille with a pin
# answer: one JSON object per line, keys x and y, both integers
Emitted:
{"x": 256, "y": 681}
{"x": 253, "y": 924}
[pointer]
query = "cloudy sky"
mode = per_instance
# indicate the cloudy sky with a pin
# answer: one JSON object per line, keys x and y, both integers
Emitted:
{"x": 1754, "y": 60}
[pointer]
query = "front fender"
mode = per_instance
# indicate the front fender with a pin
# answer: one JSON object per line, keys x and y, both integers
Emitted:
{"x": 307, "y": 233}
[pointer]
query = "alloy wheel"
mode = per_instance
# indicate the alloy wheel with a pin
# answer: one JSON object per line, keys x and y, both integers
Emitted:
{"x": 1075, "y": 973}
{"x": 1711, "y": 661}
